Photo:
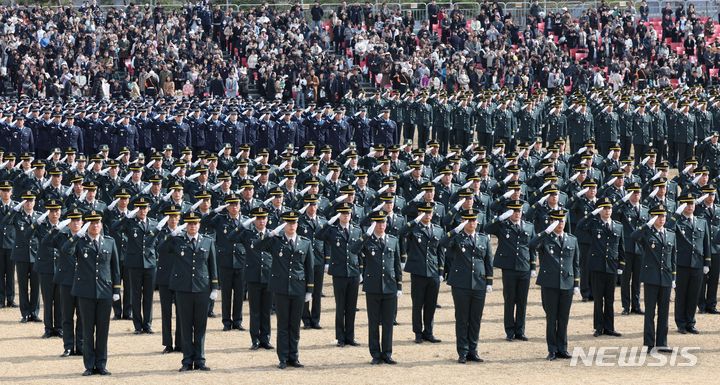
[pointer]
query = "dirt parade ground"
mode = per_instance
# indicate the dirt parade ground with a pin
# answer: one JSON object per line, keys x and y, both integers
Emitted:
{"x": 137, "y": 359}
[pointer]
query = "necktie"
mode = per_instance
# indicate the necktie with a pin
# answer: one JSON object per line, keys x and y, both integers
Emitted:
{"x": 192, "y": 242}
{"x": 95, "y": 245}
{"x": 346, "y": 233}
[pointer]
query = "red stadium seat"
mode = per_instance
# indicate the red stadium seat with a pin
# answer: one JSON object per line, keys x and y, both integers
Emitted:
{"x": 714, "y": 72}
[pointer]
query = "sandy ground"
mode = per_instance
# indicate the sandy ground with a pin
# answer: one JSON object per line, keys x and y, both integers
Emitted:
{"x": 26, "y": 358}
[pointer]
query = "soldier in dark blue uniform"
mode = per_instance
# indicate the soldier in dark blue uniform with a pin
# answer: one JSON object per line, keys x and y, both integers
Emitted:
{"x": 165, "y": 264}
{"x": 22, "y": 137}
{"x": 292, "y": 254}
{"x": 96, "y": 283}
{"x": 195, "y": 282}
{"x": 69, "y": 135}
{"x": 468, "y": 261}
{"x": 708, "y": 210}
{"x": 45, "y": 267}
{"x": 517, "y": 261}
{"x": 63, "y": 277}
{"x": 693, "y": 261}
{"x": 426, "y": 264}
{"x": 605, "y": 262}
{"x": 361, "y": 131}
{"x": 257, "y": 274}
{"x": 180, "y": 135}
{"x": 7, "y": 266}
{"x": 559, "y": 278}
{"x": 385, "y": 130}
{"x": 309, "y": 224}
{"x": 658, "y": 276}
{"x": 24, "y": 219}
{"x": 381, "y": 269}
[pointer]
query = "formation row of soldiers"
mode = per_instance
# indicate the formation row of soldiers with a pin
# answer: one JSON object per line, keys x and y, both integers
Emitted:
{"x": 274, "y": 225}
{"x": 675, "y": 122}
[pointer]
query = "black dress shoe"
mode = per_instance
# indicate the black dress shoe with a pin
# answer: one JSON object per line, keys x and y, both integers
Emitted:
{"x": 306, "y": 327}
{"x": 432, "y": 339}
{"x": 316, "y": 327}
{"x": 23, "y": 320}
{"x": 664, "y": 349}
{"x": 282, "y": 365}
{"x": 148, "y": 331}
{"x": 255, "y": 346}
{"x": 227, "y": 328}
{"x": 612, "y": 333}
{"x": 47, "y": 335}
{"x": 712, "y": 311}
{"x": 266, "y": 346}
{"x": 12, "y": 304}
{"x": 127, "y": 317}
{"x": 376, "y": 361}
{"x": 58, "y": 333}
{"x": 418, "y": 339}
{"x": 597, "y": 333}
{"x": 88, "y": 372}
{"x": 563, "y": 355}
{"x": 295, "y": 364}
{"x": 241, "y": 328}
{"x": 389, "y": 361}
{"x": 701, "y": 311}
{"x": 625, "y": 312}
{"x": 692, "y": 330}
{"x": 438, "y": 306}
{"x": 103, "y": 372}
{"x": 352, "y": 343}
{"x": 474, "y": 358}
{"x": 185, "y": 368}
{"x": 462, "y": 360}
{"x": 340, "y": 344}
{"x": 34, "y": 318}
{"x": 521, "y": 337}
{"x": 551, "y": 357}
{"x": 66, "y": 353}
{"x": 682, "y": 331}
{"x": 637, "y": 311}
{"x": 138, "y": 331}
{"x": 509, "y": 338}
{"x": 77, "y": 352}
{"x": 178, "y": 349}
{"x": 395, "y": 323}
{"x": 168, "y": 349}
{"x": 202, "y": 367}
{"x": 212, "y": 314}
{"x": 116, "y": 317}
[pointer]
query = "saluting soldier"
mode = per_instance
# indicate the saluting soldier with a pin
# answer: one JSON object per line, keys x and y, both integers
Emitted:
{"x": 140, "y": 260}
{"x": 658, "y": 276}
{"x": 632, "y": 214}
{"x": 380, "y": 266}
{"x": 559, "y": 279}
{"x": 469, "y": 269}
{"x": 24, "y": 218}
{"x": 426, "y": 264}
{"x": 63, "y": 277}
{"x": 606, "y": 260}
{"x": 310, "y": 222}
{"x": 292, "y": 254}
{"x": 708, "y": 210}
{"x": 96, "y": 284}
{"x": 165, "y": 262}
{"x": 693, "y": 261}
{"x": 517, "y": 261}
{"x": 257, "y": 275}
{"x": 7, "y": 242}
{"x": 194, "y": 280}
{"x": 45, "y": 267}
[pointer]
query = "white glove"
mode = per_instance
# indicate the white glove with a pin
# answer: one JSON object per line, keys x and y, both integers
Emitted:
{"x": 220, "y": 208}
{"x": 497, "y": 150}
{"x": 370, "y": 229}
{"x": 402, "y": 265}
{"x": 459, "y": 227}
{"x": 194, "y": 176}
{"x": 645, "y": 160}
{"x": 687, "y": 169}
{"x": 673, "y": 284}
{"x": 620, "y": 271}
{"x": 162, "y": 222}
{"x": 116, "y": 297}
{"x": 507, "y": 178}
{"x": 541, "y": 171}
{"x": 611, "y": 181}
{"x": 113, "y": 204}
{"x": 399, "y": 293}
{"x": 19, "y": 205}
{"x": 213, "y": 295}
{"x": 596, "y": 211}
{"x": 654, "y": 192}
{"x": 419, "y": 196}
{"x": 706, "y": 269}
{"x": 327, "y": 267}
{"x": 459, "y": 203}
{"x": 246, "y": 223}
{"x": 610, "y": 154}
{"x": 329, "y": 175}
{"x": 41, "y": 219}
{"x": 175, "y": 171}
{"x": 63, "y": 224}
{"x": 702, "y": 198}
{"x": 505, "y": 215}
{"x": 178, "y": 230}
{"x": 195, "y": 205}
{"x": 334, "y": 219}
{"x": 131, "y": 214}
{"x": 627, "y": 196}
{"x": 278, "y": 229}
{"x": 574, "y": 176}
{"x": 657, "y": 175}
{"x": 652, "y": 220}
{"x": 543, "y": 199}
{"x": 83, "y": 230}
{"x": 442, "y": 279}
{"x": 576, "y": 290}
{"x": 581, "y": 150}
{"x": 361, "y": 278}
{"x": 341, "y": 198}
{"x": 488, "y": 289}
{"x": 680, "y": 208}
{"x": 533, "y": 273}
{"x": 552, "y": 227}
{"x": 167, "y": 196}
{"x": 419, "y": 218}
{"x": 508, "y": 194}
{"x": 582, "y": 192}
{"x": 308, "y": 297}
